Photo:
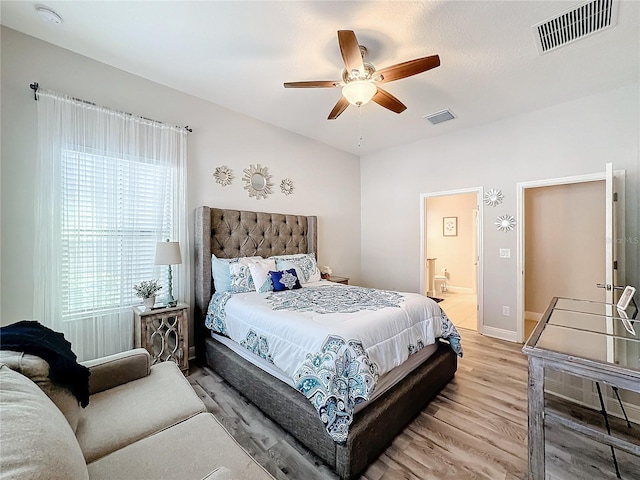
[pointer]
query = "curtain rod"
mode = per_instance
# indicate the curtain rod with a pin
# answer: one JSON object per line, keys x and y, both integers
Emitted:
{"x": 35, "y": 86}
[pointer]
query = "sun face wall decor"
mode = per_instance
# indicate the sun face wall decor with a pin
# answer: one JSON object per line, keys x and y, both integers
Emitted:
{"x": 493, "y": 198}
{"x": 257, "y": 181}
{"x": 223, "y": 175}
{"x": 286, "y": 186}
{"x": 506, "y": 223}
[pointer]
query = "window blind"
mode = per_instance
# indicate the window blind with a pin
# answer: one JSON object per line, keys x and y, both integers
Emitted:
{"x": 114, "y": 209}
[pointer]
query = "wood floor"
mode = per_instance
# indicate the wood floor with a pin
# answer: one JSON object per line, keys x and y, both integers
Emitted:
{"x": 475, "y": 429}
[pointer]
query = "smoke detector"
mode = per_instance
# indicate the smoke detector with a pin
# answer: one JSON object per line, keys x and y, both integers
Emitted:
{"x": 572, "y": 25}
{"x": 48, "y": 15}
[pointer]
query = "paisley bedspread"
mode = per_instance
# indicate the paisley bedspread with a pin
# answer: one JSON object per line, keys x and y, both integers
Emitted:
{"x": 333, "y": 341}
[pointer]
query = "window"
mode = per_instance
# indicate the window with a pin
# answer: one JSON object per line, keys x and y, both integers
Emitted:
{"x": 113, "y": 212}
{"x": 111, "y": 185}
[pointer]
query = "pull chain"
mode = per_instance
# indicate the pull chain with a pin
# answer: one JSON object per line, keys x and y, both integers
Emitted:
{"x": 359, "y": 126}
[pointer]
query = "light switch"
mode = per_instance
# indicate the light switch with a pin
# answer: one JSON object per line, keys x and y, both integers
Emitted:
{"x": 505, "y": 253}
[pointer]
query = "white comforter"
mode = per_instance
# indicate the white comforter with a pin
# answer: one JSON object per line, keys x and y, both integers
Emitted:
{"x": 334, "y": 358}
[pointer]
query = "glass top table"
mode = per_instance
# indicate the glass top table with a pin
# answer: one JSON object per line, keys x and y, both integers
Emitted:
{"x": 589, "y": 330}
{"x": 591, "y": 340}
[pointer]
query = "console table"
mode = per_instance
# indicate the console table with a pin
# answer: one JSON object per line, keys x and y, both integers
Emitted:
{"x": 588, "y": 340}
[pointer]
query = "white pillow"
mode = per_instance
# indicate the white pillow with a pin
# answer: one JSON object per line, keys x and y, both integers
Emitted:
{"x": 304, "y": 263}
{"x": 260, "y": 273}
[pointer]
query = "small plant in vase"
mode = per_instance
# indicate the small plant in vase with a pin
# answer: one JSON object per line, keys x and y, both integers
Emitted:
{"x": 147, "y": 290}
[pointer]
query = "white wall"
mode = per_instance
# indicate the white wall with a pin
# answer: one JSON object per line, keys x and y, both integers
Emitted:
{"x": 573, "y": 138}
{"x": 327, "y": 181}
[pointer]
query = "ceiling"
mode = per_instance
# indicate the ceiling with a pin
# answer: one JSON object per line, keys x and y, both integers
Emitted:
{"x": 238, "y": 54}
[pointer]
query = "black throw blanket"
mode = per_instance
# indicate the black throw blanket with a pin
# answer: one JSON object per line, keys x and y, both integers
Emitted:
{"x": 36, "y": 339}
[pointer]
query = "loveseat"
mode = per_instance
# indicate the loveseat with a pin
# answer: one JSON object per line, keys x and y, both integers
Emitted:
{"x": 142, "y": 422}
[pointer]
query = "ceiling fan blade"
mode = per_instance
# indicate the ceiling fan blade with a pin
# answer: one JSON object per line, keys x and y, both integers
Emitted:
{"x": 313, "y": 84}
{"x": 350, "y": 50}
{"x": 385, "y": 99}
{"x": 340, "y": 107}
{"x": 406, "y": 69}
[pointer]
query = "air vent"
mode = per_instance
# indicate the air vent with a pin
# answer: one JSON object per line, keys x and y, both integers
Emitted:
{"x": 572, "y": 25}
{"x": 439, "y": 117}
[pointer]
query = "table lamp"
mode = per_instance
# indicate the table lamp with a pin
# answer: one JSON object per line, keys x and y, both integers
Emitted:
{"x": 168, "y": 253}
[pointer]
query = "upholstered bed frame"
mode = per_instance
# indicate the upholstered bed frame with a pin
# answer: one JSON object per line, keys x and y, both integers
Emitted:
{"x": 234, "y": 233}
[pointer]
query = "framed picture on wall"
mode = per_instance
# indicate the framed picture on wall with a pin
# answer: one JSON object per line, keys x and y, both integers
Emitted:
{"x": 450, "y": 226}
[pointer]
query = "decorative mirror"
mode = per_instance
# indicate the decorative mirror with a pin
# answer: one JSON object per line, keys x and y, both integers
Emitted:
{"x": 257, "y": 181}
{"x": 286, "y": 186}
{"x": 506, "y": 223}
{"x": 223, "y": 175}
{"x": 493, "y": 197}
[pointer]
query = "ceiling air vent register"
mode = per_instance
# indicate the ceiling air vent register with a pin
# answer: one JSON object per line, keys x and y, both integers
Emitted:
{"x": 440, "y": 117}
{"x": 572, "y": 25}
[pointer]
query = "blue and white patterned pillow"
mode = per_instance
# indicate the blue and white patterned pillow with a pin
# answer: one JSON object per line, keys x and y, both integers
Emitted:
{"x": 304, "y": 263}
{"x": 220, "y": 271}
{"x": 241, "y": 280}
{"x": 286, "y": 280}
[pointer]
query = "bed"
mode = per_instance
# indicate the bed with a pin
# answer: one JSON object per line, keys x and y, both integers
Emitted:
{"x": 232, "y": 234}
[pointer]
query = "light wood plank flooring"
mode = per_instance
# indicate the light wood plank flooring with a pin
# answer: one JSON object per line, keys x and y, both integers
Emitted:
{"x": 476, "y": 428}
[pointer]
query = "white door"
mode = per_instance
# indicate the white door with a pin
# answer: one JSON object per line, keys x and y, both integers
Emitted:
{"x": 610, "y": 236}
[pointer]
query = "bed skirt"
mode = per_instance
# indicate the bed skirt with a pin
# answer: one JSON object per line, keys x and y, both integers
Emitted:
{"x": 373, "y": 429}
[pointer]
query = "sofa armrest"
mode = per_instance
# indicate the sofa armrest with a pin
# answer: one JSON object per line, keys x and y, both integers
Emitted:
{"x": 113, "y": 370}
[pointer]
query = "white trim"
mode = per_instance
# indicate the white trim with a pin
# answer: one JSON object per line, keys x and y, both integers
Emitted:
{"x": 500, "y": 333}
{"x": 521, "y": 187}
{"x": 479, "y": 239}
{"x": 454, "y": 289}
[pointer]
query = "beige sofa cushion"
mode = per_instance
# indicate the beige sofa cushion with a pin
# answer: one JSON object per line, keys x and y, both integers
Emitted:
{"x": 124, "y": 414}
{"x": 200, "y": 439}
{"x": 36, "y": 440}
{"x": 37, "y": 370}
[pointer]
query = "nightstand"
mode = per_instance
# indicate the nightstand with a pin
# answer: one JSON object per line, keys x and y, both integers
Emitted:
{"x": 164, "y": 333}
{"x": 343, "y": 280}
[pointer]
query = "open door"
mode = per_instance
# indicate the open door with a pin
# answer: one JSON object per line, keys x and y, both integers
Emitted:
{"x": 610, "y": 236}
{"x": 610, "y": 260}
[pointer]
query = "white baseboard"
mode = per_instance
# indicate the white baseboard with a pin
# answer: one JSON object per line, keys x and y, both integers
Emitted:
{"x": 535, "y": 316}
{"x": 454, "y": 289}
{"x": 500, "y": 333}
{"x": 192, "y": 353}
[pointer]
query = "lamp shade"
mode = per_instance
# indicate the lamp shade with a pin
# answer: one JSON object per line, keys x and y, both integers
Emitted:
{"x": 168, "y": 253}
{"x": 359, "y": 92}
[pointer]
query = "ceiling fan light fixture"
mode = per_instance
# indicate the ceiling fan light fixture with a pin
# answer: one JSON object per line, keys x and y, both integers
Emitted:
{"x": 359, "y": 92}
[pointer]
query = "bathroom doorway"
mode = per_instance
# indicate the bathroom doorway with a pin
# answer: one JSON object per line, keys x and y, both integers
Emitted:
{"x": 451, "y": 253}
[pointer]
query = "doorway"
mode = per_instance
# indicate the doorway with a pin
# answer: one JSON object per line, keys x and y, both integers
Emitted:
{"x": 564, "y": 248}
{"x": 451, "y": 252}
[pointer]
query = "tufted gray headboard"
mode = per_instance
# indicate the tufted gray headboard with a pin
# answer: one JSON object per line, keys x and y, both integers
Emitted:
{"x": 241, "y": 233}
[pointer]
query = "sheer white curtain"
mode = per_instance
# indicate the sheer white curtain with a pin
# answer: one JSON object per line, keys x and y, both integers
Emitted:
{"x": 110, "y": 186}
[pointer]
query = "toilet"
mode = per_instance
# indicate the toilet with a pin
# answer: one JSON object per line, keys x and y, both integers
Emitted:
{"x": 440, "y": 281}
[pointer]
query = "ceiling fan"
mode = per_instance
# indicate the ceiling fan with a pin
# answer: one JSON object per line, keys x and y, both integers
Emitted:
{"x": 360, "y": 80}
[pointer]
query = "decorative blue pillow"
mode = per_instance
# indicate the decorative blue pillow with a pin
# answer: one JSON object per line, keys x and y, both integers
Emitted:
{"x": 304, "y": 263}
{"x": 286, "y": 280}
